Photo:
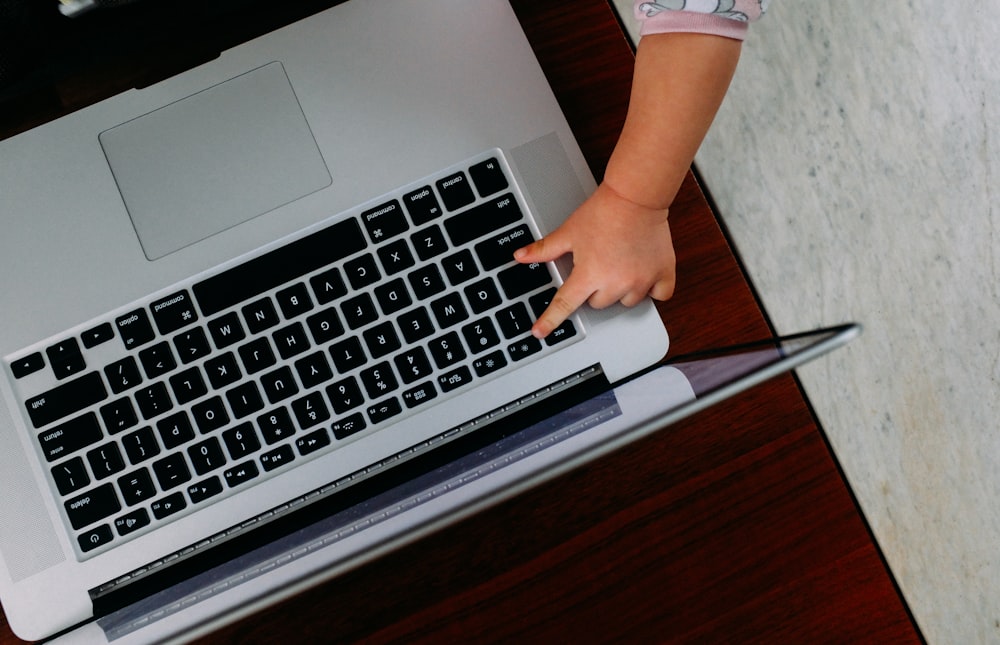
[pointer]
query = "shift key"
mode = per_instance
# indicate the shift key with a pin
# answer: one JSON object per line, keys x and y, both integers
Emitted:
{"x": 66, "y": 399}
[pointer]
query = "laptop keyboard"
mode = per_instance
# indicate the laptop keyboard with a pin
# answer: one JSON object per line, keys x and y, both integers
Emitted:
{"x": 236, "y": 377}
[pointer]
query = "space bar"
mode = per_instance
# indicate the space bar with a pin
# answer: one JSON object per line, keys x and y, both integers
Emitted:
{"x": 279, "y": 266}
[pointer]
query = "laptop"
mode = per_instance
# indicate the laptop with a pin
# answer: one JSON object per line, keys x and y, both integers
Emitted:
{"x": 443, "y": 486}
{"x": 264, "y": 287}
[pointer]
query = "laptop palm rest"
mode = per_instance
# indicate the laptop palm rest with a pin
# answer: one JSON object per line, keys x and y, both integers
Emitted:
{"x": 213, "y": 160}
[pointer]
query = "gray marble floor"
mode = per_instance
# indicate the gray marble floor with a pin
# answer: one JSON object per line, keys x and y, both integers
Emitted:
{"x": 856, "y": 162}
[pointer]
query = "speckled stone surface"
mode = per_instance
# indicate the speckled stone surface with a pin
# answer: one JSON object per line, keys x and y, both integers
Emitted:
{"x": 857, "y": 164}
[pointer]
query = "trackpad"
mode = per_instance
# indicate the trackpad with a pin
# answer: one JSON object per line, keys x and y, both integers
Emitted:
{"x": 214, "y": 160}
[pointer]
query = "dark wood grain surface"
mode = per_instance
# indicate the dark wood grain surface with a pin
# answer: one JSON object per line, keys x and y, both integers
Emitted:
{"x": 732, "y": 526}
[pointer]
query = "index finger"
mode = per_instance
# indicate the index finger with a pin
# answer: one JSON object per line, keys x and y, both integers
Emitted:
{"x": 567, "y": 299}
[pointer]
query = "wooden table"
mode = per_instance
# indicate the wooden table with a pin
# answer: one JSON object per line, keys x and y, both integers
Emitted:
{"x": 735, "y": 525}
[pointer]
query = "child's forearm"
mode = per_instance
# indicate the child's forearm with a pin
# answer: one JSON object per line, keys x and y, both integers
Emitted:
{"x": 679, "y": 82}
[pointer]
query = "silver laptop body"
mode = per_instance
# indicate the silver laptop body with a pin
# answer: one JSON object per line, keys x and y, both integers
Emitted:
{"x": 208, "y": 201}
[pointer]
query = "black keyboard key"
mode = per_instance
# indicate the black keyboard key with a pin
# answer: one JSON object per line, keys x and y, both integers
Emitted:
{"x": 97, "y": 335}
{"x": 413, "y": 365}
{"x": 119, "y": 415}
{"x": 393, "y": 296}
{"x": 70, "y": 476}
{"x": 379, "y": 380}
{"x": 206, "y": 455}
{"x": 279, "y": 384}
{"x": 66, "y": 438}
{"x": 499, "y": 249}
{"x": 136, "y": 487}
{"x": 204, "y": 489}
{"x": 240, "y": 474}
{"x": 279, "y": 266}
{"x": 260, "y": 315}
{"x": 277, "y": 458}
{"x": 422, "y": 205}
{"x": 153, "y": 400}
{"x": 95, "y": 537}
{"x": 66, "y": 399}
{"x": 449, "y": 310}
{"x": 539, "y": 303}
{"x": 325, "y": 325}
{"x": 384, "y": 410}
{"x": 328, "y": 286}
{"x": 456, "y": 191}
{"x": 188, "y": 385}
{"x": 523, "y": 278}
{"x": 291, "y": 340}
{"x": 362, "y": 271}
{"x": 524, "y": 348}
{"x": 140, "y": 445}
{"x": 347, "y": 354}
{"x": 480, "y": 335}
{"x": 460, "y": 267}
{"x": 222, "y": 370}
{"x": 310, "y": 410}
{"x": 275, "y": 426}
{"x": 313, "y": 370}
{"x": 210, "y": 414}
{"x": 157, "y": 360}
{"x": 345, "y": 395}
{"x": 241, "y": 441}
{"x": 483, "y": 219}
{"x": 294, "y": 300}
{"x": 488, "y": 177}
{"x": 454, "y": 379}
{"x": 395, "y": 257}
{"x": 381, "y": 340}
{"x": 175, "y": 430}
{"x": 564, "y": 331}
{"x": 489, "y": 363}
{"x": 420, "y": 394}
{"x": 173, "y": 312}
{"x": 359, "y": 311}
{"x": 105, "y": 461}
{"x": 134, "y": 328}
{"x": 514, "y": 320}
{"x": 132, "y": 522}
{"x": 429, "y": 243}
{"x": 482, "y": 295}
{"x": 312, "y": 442}
{"x": 192, "y": 345}
{"x": 257, "y": 355}
{"x": 65, "y": 358}
{"x": 171, "y": 471}
{"x": 226, "y": 330}
{"x": 384, "y": 221}
{"x": 245, "y": 399}
{"x": 92, "y": 506}
{"x": 446, "y": 350}
{"x": 27, "y": 365}
{"x": 123, "y": 375}
{"x": 427, "y": 281}
{"x": 415, "y": 325}
{"x": 351, "y": 424}
{"x": 169, "y": 505}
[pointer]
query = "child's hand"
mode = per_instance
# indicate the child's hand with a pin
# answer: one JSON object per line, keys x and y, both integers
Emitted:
{"x": 622, "y": 252}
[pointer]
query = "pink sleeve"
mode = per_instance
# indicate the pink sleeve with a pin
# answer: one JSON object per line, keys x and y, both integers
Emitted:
{"x": 728, "y": 18}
